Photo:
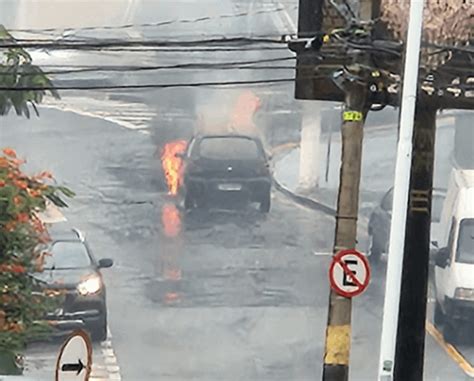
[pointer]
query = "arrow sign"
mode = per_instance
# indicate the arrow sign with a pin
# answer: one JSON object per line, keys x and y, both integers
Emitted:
{"x": 73, "y": 367}
{"x": 74, "y": 361}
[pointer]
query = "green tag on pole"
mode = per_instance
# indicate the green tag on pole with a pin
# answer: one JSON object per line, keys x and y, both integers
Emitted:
{"x": 352, "y": 116}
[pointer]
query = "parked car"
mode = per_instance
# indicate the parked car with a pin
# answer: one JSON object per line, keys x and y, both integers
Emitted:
{"x": 226, "y": 168}
{"x": 381, "y": 219}
{"x": 70, "y": 267}
{"x": 454, "y": 264}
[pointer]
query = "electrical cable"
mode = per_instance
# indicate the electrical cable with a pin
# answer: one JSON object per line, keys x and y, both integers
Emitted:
{"x": 211, "y": 65}
{"x": 149, "y": 86}
{"x": 112, "y": 43}
{"x": 271, "y": 81}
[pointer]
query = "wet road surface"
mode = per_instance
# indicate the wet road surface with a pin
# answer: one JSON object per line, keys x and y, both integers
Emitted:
{"x": 224, "y": 295}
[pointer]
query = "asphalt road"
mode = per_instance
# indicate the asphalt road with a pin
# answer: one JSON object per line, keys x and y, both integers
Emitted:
{"x": 228, "y": 295}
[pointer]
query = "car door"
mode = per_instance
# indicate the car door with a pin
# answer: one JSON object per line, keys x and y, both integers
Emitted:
{"x": 442, "y": 275}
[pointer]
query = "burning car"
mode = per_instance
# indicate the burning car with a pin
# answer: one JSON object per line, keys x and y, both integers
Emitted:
{"x": 225, "y": 168}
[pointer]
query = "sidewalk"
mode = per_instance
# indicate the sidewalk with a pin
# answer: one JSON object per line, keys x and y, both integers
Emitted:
{"x": 378, "y": 166}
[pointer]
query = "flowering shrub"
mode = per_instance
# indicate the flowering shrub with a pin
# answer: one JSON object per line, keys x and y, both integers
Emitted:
{"x": 22, "y": 302}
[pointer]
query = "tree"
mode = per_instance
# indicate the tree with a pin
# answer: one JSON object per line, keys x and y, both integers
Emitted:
{"x": 23, "y": 300}
{"x": 17, "y": 71}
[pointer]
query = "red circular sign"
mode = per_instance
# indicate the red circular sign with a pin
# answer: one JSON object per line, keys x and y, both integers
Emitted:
{"x": 349, "y": 273}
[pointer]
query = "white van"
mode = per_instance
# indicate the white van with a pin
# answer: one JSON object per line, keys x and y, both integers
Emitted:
{"x": 454, "y": 261}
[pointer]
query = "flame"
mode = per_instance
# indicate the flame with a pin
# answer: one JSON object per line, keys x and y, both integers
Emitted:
{"x": 171, "y": 220}
{"x": 245, "y": 108}
{"x": 172, "y": 164}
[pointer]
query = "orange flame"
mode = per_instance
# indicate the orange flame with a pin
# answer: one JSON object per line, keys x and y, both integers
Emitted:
{"x": 171, "y": 220}
{"x": 246, "y": 106}
{"x": 172, "y": 164}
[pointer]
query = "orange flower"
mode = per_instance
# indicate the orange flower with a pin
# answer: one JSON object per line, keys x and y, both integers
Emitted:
{"x": 23, "y": 218}
{"x": 17, "y": 200}
{"x": 21, "y": 184}
{"x": 34, "y": 192}
{"x": 18, "y": 269}
{"x": 10, "y": 226}
{"x": 45, "y": 174}
{"x": 9, "y": 152}
{"x": 17, "y": 162}
{"x": 2, "y": 183}
{"x": 3, "y": 162}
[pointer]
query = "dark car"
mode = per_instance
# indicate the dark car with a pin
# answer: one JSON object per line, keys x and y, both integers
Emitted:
{"x": 225, "y": 168}
{"x": 71, "y": 268}
{"x": 381, "y": 219}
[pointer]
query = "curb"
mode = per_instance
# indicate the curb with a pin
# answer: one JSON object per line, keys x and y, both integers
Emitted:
{"x": 307, "y": 202}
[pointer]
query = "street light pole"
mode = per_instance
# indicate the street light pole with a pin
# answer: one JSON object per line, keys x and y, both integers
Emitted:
{"x": 400, "y": 194}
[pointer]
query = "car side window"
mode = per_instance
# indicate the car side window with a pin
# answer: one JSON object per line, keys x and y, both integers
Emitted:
{"x": 191, "y": 145}
{"x": 452, "y": 232}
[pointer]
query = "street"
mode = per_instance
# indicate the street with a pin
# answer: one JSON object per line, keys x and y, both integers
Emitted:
{"x": 204, "y": 295}
{"x": 226, "y": 295}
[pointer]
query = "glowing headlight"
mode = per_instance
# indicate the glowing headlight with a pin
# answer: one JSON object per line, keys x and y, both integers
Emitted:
{"x": 89, "y": 286}
{"x": 464, "y": 293}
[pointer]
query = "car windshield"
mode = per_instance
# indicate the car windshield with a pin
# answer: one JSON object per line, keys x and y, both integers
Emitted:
{"x": 465, "y": 252}
{"x": 67, "y": 255}
{"x": 233, "y": 148}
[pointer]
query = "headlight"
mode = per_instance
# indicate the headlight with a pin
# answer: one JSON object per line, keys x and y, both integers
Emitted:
{"x": 90, "y": 286}
{"x": 464, "y": 293}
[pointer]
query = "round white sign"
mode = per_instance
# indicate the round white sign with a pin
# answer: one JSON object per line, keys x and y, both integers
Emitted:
{"x": 75, "y": 358}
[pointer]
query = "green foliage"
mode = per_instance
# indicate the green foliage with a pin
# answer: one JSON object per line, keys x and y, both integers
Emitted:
{"x": 17, "y": 72}
{"x": 23, "y": 300}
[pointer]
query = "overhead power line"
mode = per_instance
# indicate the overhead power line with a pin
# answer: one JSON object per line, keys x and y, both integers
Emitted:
{"x": 153, "y": 85}
{"x": 248, "y": 65}
{"x": 114, "y": 43}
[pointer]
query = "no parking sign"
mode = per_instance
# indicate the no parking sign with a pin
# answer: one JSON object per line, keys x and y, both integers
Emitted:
{"x": 349, "y": 273}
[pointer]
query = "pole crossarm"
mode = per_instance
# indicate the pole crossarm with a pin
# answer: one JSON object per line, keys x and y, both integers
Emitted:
{"x": 446, "y": 63}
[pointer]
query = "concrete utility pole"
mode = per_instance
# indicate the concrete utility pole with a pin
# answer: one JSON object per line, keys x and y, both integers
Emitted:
{"x": 410, "y": 346}
{"x": 400, "y": 196}
{"x": 338, "y": 333}
{"x": 310, "y": 145}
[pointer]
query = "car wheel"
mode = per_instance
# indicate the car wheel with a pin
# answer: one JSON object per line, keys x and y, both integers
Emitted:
{"x": 98, "y": 330}
{"x": 438, "y": 314}
{"x": 450, "y": 333}
{"x": 265, "y": 204}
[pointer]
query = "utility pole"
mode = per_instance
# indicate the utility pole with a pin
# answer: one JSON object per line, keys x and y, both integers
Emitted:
{"x": 410, "y": 345}
{"x": 401, "y": 189}
{"x": 338, "y": 332}
{"x": 310, "y": 145}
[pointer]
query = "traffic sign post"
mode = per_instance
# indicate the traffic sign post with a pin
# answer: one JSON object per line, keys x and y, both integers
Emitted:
{"x": 349, "y": 273}
{"x": 74, "y": 361}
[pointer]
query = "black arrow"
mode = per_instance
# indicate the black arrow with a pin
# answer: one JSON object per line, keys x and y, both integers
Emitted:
{"x": 73, "y": 367}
